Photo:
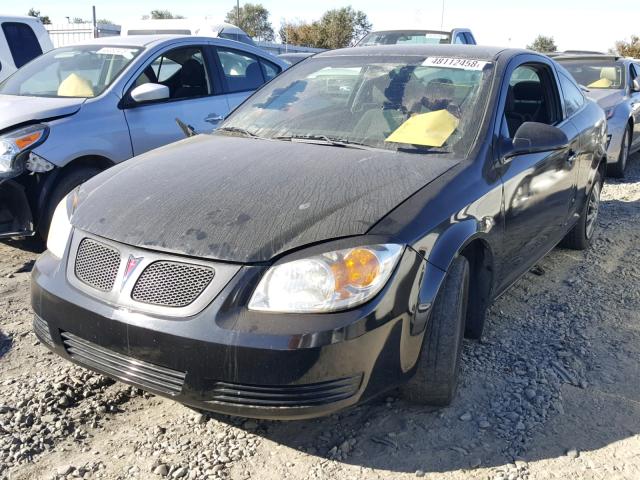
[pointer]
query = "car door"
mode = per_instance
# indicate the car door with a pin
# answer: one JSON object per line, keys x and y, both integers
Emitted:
{"x": 635, "y": 105}
{"x": 195, "y": 98}
{"x": 242, "y": 73}
{"x": 539, "y": 189}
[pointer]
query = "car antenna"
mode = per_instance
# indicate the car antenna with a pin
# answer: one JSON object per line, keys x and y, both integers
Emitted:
{"x": 188, "y": 130}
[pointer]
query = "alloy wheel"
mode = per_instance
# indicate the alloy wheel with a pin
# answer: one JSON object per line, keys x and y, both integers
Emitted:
{"x": 593, "y": 207}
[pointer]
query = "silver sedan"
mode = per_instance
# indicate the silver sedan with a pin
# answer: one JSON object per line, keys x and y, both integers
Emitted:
{"x": 614, "y": 82}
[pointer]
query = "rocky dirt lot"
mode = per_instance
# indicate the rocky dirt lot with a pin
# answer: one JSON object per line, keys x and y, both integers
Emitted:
{"x": 552, "y": 391}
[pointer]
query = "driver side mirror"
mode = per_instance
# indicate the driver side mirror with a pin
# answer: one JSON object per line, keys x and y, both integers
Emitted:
{"x": 149, "y": 92}
{"x": 636, "y": 85}
{"x": 534, "y": 137}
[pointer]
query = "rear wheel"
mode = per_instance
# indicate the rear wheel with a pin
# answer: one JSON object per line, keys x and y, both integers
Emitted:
{"x": 436, "y": 378}
{"x": 579, "y": 238}
{"x": 65, "y": 184}
{"x": 617, "y": 169}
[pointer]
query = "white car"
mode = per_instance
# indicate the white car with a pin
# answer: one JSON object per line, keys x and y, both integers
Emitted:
{"x": 21, "y": 40}
{"x": 185, "y": 26}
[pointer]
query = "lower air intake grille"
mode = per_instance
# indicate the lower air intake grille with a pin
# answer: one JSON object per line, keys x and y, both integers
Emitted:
{"x": 42, "y": 331}
{"x": 286, "y": 396}
{"x": 143, "y": 374}
{"x": 172, "y": 284}
{"x": 97, "y": 264}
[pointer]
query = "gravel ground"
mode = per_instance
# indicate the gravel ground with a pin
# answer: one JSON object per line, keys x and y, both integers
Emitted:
{"x": 552, "y": 391}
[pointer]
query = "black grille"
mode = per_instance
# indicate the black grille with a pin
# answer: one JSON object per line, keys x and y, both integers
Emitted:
{"x": 171, "y": 284}
{"x": 97, "y": 264}
{"x": 41, "y": 328}
{"x": 121, "y": 367}
{"x": 286, "y": 396}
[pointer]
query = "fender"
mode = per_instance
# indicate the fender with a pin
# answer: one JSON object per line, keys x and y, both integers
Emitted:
{"x": 444, "y": 248}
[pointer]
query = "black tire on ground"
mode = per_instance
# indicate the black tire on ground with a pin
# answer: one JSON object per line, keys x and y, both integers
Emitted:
{"x": 65, "y": 184}
{"x": 436, "y": 378}
{"x": 616, "y": 170}
{"x": 579, "y": 238}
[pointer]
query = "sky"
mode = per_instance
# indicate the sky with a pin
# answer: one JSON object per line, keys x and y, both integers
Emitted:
{"x": 574, "y": 24}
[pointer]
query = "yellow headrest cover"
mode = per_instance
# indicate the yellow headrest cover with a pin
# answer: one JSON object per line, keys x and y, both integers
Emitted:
{"x": 75, "y": 86}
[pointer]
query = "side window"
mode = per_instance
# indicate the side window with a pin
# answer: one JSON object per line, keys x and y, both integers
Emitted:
{"x": 531, "y": 97}
{"x": 460, "y": 39}
{"x": 242, "y": 70}
{"x": 269, "y": 70}
{"x": 573, "y": 98}
{"x": 183, "y": 70}
{"x": 469, "y": 38}
{"x": 23, "y": 43}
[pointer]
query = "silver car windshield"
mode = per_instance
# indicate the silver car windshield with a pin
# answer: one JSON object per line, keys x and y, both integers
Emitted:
{"x": 421, "y": 37}
{"x": 596, "y": 73}
{"x": 80, "y": 71}
{"x": 405, "y": 103}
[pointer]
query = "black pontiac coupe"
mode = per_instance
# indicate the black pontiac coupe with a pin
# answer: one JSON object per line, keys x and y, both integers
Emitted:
{"x": 335, "y": 238}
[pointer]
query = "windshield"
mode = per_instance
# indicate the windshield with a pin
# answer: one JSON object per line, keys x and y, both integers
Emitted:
{"x": 420, "y": 37}
{"x": 396, "y": 103}
{"x": 596, "y": 73}
{"x": 80, "y": 71}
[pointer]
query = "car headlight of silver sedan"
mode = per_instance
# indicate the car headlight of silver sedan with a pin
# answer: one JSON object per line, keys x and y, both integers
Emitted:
{"x": 14, "y": 144}
{"x": 327, "y": 282}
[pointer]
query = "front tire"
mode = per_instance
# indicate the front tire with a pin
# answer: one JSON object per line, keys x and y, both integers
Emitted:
{"x": 579, "y": 238}
{"x": 617, "y": 169}
{"x": 436, "y": 378}
{"x": 65, "y": 184}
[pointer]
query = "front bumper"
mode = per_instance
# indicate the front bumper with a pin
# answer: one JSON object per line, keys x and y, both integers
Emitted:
{"x": 233, "y": 361}
{"x": 16, "y": 219}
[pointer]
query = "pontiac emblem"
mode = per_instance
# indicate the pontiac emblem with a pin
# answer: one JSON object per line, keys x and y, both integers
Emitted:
{"x": 132, "y": 264}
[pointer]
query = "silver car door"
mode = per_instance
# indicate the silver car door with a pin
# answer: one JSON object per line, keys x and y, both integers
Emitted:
{"x": 242, "y": 73}
{"x": 195, "y": 98}
{"x": 635, "y": 105}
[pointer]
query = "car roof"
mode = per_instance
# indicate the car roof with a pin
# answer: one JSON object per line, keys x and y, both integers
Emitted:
{"x": 476, "y": 52}
{"x": 613, "y": 58}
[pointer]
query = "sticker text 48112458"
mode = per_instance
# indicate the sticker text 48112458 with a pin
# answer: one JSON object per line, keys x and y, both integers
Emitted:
{"x": 450, "y": 62}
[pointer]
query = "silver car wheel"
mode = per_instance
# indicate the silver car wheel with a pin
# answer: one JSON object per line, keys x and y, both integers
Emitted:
{"x": 624, "y": 150}
{"x": 593, "y": 207}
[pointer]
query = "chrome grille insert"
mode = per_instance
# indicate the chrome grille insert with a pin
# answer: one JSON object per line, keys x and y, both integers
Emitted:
{"x": 97, "y": 264}
{"x": 144, "y": 374}
{"x": 172, "y": 284}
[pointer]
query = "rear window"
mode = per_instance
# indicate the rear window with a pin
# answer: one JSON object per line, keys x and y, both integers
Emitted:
{"x": 23, "y": 43}
{"x": 242, "y": 71}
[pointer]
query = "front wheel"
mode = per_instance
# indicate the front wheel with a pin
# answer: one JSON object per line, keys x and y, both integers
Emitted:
{"x": 436, "y": 378}
{"x": 579, "y": 238}
{"x": 617, "y": 169}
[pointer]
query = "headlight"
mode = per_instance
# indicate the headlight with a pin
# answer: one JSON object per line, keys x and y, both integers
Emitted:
{"x": 60, "y": 228}
{"x": 14, "y": 143}
{"x": 326, "y": 283}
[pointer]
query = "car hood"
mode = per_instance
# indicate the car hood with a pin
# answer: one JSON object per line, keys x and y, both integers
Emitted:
{"x": 606, "y": 98}
{"x": 17, "y": 109}
{"x": 248, "y": 200}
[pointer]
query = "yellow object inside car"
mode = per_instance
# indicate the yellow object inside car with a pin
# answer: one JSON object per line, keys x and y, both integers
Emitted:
{"x": 431, "y": 129}
{"x": 75, "y": 86}
{"x": 607, "y": 78}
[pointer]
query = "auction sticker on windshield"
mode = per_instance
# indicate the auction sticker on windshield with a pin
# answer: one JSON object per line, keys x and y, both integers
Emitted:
{"x": 449, "y": 62}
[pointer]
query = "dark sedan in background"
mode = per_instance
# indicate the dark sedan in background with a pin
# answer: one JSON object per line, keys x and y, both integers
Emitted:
{"x": 335, "y": 238}
{"x": 613, "y": 82}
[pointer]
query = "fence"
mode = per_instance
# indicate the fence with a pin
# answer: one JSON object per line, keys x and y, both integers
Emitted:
{"x": 69, "y": 33}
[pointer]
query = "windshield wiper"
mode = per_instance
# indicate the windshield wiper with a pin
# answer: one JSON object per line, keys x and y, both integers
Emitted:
{"x": 324, "y": 140}
{"x": 240, "y": 130}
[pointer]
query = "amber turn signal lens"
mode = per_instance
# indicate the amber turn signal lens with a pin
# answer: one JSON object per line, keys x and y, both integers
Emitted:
{"x": 24, "y": 142}
{"x": 359, "y": 268}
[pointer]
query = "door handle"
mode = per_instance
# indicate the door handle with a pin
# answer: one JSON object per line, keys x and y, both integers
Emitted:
{"x": 214, "y": 118}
